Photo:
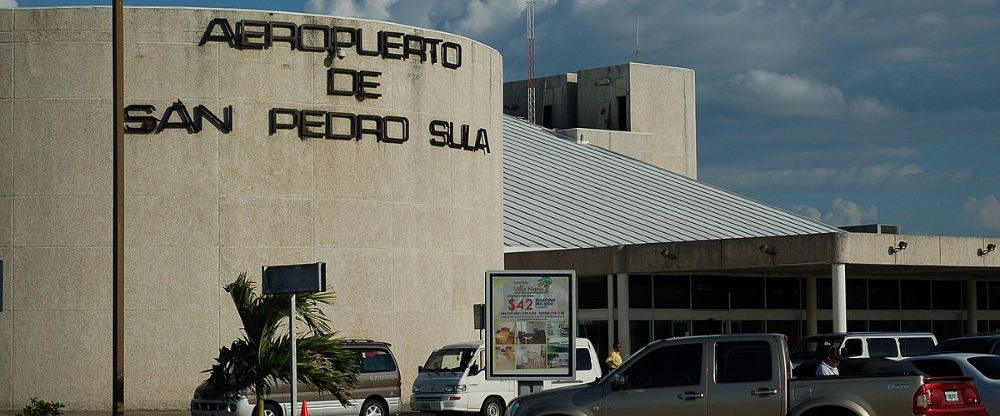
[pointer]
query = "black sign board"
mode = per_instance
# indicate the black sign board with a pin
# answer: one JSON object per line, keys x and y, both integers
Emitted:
{"x": 479, "y": 315}
{"x": 294, "y": 278}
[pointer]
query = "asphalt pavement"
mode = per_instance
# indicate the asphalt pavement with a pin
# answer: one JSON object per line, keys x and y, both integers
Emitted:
{"x": 154, "y": 413}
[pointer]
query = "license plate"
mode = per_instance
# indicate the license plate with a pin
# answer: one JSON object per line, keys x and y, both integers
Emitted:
{"x": 951, "y": 396}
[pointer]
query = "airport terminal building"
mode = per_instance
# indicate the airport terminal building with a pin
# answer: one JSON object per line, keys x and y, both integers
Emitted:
{"x": 259, "y": 138}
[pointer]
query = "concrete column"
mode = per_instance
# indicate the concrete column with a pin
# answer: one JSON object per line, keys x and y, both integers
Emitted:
{"x": 811, "y": 325}
{"x": 839, "y": 275}
{"x": 971, "y": 297}
{"x": 623, "y": 315}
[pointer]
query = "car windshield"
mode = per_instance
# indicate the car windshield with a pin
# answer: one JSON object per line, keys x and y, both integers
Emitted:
{"x": 989, "y": 366}
{"x": 449, "y": 359}
{"x": 807, "y": 349}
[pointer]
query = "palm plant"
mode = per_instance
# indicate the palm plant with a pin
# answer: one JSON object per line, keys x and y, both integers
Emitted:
{"x": 263, "y": 355}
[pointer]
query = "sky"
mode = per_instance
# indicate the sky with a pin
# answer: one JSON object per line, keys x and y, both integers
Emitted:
{"x": 848, "y": 112}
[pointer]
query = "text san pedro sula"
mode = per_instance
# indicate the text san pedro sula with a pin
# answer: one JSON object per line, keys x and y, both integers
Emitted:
{"x": 330, "y": 125}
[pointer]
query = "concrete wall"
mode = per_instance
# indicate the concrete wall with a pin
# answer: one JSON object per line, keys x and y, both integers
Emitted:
{"x": 635, "y": 145}
{"x": 406, "y": 230}
{"x": 558, "y": 91}
{"x": 660, "y": 101}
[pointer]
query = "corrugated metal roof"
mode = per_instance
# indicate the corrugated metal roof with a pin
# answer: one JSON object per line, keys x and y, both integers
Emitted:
{"x": 562, "y": 194}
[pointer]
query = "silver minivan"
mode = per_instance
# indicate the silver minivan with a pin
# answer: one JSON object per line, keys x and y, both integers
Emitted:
{"x": 891, "y": 345}
{"x": 376, "y": 394}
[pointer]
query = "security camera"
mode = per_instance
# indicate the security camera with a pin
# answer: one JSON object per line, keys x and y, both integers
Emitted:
{"x": 989, "y": 248}
{"x": 900, "y": 246}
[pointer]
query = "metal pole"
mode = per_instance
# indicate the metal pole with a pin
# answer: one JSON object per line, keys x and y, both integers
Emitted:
{"x": 295, "y": 378}
{"x": 118, "y": 295}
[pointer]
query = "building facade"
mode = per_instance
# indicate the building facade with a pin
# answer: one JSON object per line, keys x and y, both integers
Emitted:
{"x": 255, "y": 138}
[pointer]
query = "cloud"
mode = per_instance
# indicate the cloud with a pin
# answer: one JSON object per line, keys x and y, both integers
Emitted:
{"x": 8, "y": 3}
{"x": 872, "y": 175}
{"x": 484, "y": 20}
{"x": 842, "y": 212}
{"x": 984, "y": 213}
{"x": 763, "y": 92}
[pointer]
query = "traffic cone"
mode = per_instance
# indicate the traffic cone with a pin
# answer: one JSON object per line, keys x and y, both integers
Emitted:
{"x": 305, "y": 409}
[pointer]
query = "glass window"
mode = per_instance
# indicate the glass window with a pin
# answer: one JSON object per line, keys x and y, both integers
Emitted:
{"x": 593, "y": 292}
{"x": 640, "y": 332}
{"x": 948, "y": 329}
{"x": 989, "y": 366}
{"x": 783, "y": 293}
{"x": 710, "y": 292}
{"x": 982, "y": 295}
{"x": 640, "y": 291}
{"x": 938, "y": 368}
{"x": 915, "y": 294}
{"x": 676, "y": 365}
{"x": 583, "y": 362}
{"x": 910, "y": 347}
{"x": 824, "y": 295}
{"x": 857, "y": 294}
{"x": 709, "y": 327}
{"x": 672, "y": 292}
{"x": 853, "y": 348}
{"x": 883, "y": 326}
{"x": 812, "y": 347}
{"x": 748, "y": 327}
{"x": 883, "y": 294}
{"x": 379, "y": 361}
{"x": 597, "y": 333}
{"x": 857, "y": 325}
{"x": 946, "y": 295}
{"x": 994, "y": 295}
{"x": 792, "y": 329}
{"x": 882, "y": 347}
{"x": 742, "y": 362}
{"x": 748, "y": 292}
{"x": 915, "y": 326}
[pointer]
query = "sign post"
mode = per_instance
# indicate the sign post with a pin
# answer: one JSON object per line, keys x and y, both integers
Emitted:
{"x": 531, "y": 326}
{"x": 293, "y": 279}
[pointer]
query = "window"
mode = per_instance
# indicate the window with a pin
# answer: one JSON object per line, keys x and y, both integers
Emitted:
{"x": 882, "y": 347}
{"x": 784, "y": 293}
{"x": 915, "y": 346}
{"x": 989, "y": 366}
{"x": 938, "y": 368}
{"x": 710, "y": 292}
{"x": 748, "y": 292}
{"x": 857, "y": 294}
{"x": 742, "y": 362}
{"x": 640, "y": 291}
{"x": 672, "y": 292}
{"x": 378, "y": 361}
{"x": 640, "y": 333}
{"x": 915, "y": 294}
{"x": 676, "y": 365}
{"x": 946, "y": 295}
{"x": 593, "y": 292}
{"x": 883, "y": 326}
{"x": 447, "y": 360}
{"x": 583, "y": 360}
{"x": 852, "y": 348}
{"x": 883, "y": 294}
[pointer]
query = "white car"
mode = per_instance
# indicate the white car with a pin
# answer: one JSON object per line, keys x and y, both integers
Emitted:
{"x": 983, "y": 368}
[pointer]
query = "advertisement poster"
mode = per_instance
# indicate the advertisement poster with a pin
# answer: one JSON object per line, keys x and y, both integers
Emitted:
{"x": 531, "y": 325}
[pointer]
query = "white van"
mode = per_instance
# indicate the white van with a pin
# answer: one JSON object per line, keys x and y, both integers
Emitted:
{"x": 454, "y": 380}
{"x": 891, "y": 345}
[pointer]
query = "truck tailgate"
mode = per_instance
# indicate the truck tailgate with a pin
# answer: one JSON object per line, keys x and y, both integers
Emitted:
{"x": 877, "y": 395}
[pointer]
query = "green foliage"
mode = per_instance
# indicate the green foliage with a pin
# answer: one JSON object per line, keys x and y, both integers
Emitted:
{"x": 262, "y": 357}
{"x": 41, "y": 408}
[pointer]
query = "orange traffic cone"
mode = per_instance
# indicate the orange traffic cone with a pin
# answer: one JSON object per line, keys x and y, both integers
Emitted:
{"x": 305, "y": 409}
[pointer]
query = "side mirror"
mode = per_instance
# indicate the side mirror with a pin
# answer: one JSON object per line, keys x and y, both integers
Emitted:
{"x": 420, "y": 369}
{"x": 473, "y": 369}
{"x": 618, "y": 382}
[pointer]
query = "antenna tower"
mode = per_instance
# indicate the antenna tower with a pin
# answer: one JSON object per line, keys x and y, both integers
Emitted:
{"x": 531, "y": 60}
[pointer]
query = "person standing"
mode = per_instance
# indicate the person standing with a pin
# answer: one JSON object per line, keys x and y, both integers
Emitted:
{"x": 828, "y": 367}
{"x": 615, "y": 357}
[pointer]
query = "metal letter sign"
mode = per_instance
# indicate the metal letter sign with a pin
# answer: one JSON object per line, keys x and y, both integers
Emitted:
{"x": 531, "y": 325}
{"x": 294, "y": 278}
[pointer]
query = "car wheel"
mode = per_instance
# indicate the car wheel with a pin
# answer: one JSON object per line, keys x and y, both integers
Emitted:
{"x": 373, "y": 407}
{"x": 492, "y": 407}
{"x": 270, "y": 409}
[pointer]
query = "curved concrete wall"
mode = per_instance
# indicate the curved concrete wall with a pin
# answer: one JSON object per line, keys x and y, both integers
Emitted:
{"x": 406, "y": 229}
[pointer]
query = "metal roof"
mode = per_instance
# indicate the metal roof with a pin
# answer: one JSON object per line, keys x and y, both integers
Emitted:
{"x": 562, "y": 194}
